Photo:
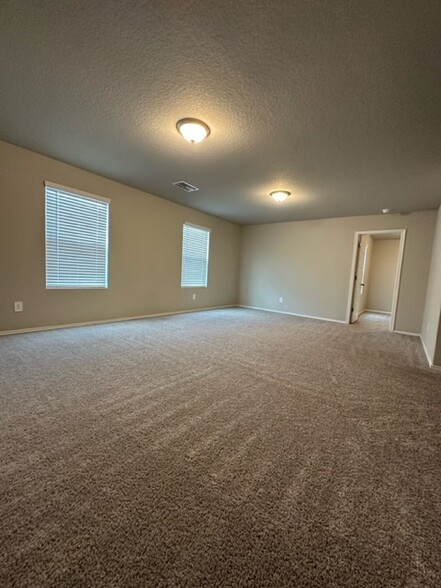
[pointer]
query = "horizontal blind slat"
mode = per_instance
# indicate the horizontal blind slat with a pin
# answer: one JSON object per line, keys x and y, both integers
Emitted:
{"x": 195, "y": 252}
{"x": 76, "y": 240}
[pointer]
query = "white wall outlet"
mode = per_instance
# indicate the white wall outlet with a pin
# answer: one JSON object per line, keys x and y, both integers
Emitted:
{"x": 194, "y": 296}
{"x": 280, "y": 299}
{"x": 18, "y": 306}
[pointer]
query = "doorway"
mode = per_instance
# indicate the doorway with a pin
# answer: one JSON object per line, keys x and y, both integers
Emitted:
{"x": 375, "y": 278}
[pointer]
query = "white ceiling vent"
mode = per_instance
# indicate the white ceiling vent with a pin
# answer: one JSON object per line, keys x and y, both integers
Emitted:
{"x": 185, "y": 186}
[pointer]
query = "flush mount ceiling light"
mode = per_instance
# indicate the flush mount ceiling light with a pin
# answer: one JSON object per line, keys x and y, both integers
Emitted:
{"x": 193, "y": 130}
{"x": 386, "y": 210}
{"x": 280, "y": 195}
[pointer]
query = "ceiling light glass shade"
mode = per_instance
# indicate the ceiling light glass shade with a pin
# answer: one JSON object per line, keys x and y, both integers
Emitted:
{"x": 193, "y": 130}
{"x": 280, "y": 195}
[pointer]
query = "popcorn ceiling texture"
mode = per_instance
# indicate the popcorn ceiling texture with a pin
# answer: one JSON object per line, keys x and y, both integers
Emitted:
{"x": 336, "y": 101}
{"x": 228, "y": 448}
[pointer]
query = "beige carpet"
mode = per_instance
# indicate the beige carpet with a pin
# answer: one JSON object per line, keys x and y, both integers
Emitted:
{"x": 224, "y": 448}
{"x": 373, "y": 321}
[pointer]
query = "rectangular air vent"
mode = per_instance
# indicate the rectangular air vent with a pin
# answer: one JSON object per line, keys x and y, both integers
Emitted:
{"x": 185, "y": 186}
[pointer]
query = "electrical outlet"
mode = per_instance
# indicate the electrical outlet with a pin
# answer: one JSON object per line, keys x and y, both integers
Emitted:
{"x": 18, "y": 306}
{"x": 281, "y": 299}
{"x": 194, "y": 296}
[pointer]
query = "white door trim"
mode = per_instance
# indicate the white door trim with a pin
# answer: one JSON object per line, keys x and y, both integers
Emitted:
{"x": 402, "y": 237}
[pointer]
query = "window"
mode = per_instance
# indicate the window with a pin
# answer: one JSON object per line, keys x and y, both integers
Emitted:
{"x": 195, "y": 248}
{"x": 77, "y": 235}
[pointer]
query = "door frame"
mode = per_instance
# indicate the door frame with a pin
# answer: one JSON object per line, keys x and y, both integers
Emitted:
{"x": 397, "y": 283}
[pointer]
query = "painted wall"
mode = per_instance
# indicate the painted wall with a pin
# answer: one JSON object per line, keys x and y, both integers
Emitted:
{"x": 431, "y": 330}
{"x": 381, "y": 282}
{"x": 309, "y": 264}
{"x": 145, "y": 249}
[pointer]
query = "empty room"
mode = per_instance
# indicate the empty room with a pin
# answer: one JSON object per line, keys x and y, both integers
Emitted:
{"x": 220, "y": 294}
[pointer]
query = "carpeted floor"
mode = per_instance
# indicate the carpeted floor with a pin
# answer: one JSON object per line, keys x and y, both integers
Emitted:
{"x": 222, "y": 448}
{"x": 373, "y": 321}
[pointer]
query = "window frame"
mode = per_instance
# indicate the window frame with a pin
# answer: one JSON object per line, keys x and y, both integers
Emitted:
{"x": 88, "y": 196}
{"x": 208, "y": 231}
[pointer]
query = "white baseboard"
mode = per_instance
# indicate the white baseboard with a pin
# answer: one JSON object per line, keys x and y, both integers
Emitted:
{"x": 376, "y": 311}
{"x": 107, "y": 321}
{"x": 317, "y": 318}
{"x": 406, "y": 333}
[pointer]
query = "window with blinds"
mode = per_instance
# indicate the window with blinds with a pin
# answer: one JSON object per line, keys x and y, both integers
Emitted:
{"x": 77, "y": 239}
{"x": 195, "y": 250}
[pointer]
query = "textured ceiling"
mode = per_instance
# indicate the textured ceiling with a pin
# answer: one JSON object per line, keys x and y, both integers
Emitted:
{"x": 337, "y": 101}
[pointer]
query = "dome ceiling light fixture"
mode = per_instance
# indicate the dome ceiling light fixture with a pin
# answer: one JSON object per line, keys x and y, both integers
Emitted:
{"x": 280, "y": 195}
{"x": 193, "y": 130}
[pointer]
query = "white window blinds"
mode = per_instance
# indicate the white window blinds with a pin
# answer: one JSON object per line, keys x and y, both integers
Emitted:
{"x": 77, "y": 235}
{"x": 195, "y": 249}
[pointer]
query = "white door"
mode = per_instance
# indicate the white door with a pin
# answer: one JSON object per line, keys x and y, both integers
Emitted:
{"x": 360, "y": 277}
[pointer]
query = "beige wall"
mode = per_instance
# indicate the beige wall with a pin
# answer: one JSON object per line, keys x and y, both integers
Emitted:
{"x": 309, "y": 264}
{"x": 431, "y": 330}
{"x": 381, "y": 283}
{"x": 145, "y": 249}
